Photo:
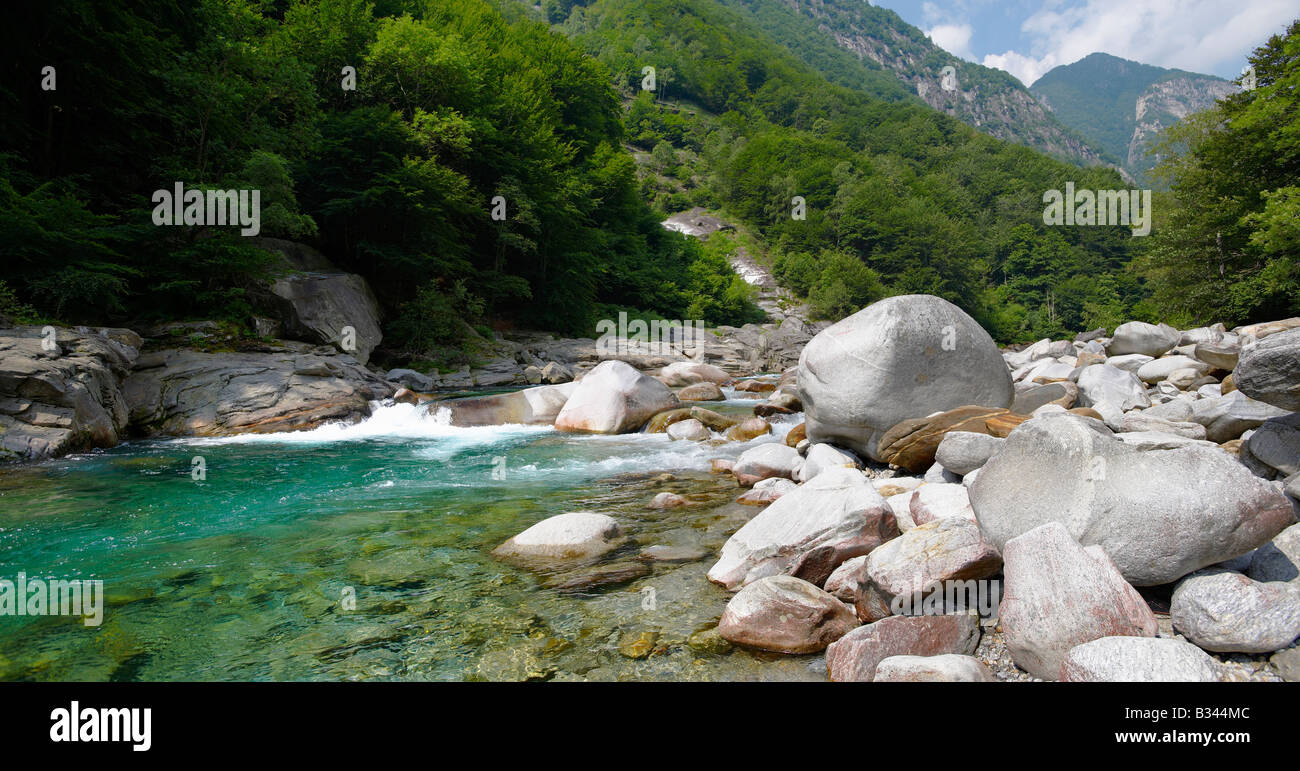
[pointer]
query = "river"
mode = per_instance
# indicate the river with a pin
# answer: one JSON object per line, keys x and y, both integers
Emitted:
{"x": 246, "y": 573}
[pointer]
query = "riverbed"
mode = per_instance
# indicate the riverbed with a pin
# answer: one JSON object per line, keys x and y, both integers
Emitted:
{"x": 362, "y": 552}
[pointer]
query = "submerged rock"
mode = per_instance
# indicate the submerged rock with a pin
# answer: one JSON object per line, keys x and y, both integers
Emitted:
{"x": 564, "y": 538}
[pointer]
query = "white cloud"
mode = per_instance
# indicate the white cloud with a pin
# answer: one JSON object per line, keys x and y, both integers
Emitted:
{"x": 953, "y": 38}
{"x": 1195, "y": 35}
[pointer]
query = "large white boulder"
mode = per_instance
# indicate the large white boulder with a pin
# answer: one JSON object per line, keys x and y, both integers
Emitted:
{"x": 1159, "y": 514}
{"x": 613, "y": 399}
{"x": 903, "y": 357}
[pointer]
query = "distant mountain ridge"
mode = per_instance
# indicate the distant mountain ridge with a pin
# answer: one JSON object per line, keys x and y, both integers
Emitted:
{"x": 1122, "y": 105}
{"x": 988, "y": 99}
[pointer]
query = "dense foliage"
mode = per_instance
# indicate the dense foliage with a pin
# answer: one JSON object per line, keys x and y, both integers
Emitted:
{"x": 923, "y": 202}
{"x": 1227, "y": 239}
{"x": 848, "y": 186}
{"x": 454, "y": 105}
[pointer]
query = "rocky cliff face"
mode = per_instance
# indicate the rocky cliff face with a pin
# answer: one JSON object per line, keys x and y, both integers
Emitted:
{"x": 1122, "y": 106}
{"x": 1163, "y": 104}
{"x": 990, "y": 100}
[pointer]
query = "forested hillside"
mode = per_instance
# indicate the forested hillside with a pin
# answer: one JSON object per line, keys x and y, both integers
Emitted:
{"x": 851, "y": 188}
{"x": 1227, "y": 238}
{"x": 453, "y": 106}
{"x": 899, "y": 197}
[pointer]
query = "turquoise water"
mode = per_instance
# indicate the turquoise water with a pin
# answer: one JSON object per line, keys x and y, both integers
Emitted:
{"x": 244, "y": 575}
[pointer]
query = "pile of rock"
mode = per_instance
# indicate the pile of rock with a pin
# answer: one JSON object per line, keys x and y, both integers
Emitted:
{"x": 1061, "y": 478}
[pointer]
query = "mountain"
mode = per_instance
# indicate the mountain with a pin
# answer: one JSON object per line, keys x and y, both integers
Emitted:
{"x": 880, "y": 41}
{"x": 1122, "y": 105}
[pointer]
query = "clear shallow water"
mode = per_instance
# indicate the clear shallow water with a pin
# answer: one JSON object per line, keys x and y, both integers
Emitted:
{"x": 242, "y": 576}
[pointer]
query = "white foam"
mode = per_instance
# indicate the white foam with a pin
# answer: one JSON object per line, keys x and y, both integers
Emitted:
{"x": 388, "y": 421}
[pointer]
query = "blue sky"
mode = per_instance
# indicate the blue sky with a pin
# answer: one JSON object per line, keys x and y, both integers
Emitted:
{"x": 1029, "y": 37}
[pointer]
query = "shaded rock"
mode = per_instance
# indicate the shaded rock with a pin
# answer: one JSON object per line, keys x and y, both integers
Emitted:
{"x": 786, "y": 615}
{"x": 1269, "y": 369}
{"x": 1106, "y": 383}
{"x": 614, "y": 398}
{"x": 1276, "y": 445}
{"x": 901, "y": 358}
{"x": 843, "y": 580}
{"x": 1287, "y": 663}
{"x": 529, "y": 406}
{"x": 1225, "y": 611}
{"x": 1030, "y": 399}
{"x": 1204, "y": 508}
{"x": 961, "y": 452}
{"x": 839, "y": 508}
{"x": 1232, "y": 415}
{"x": 1141, "y": 337}
{"x": 684, "y": 373}
{"x": 856, "y": 656}
{"x": 317, "y": 306}
{"x": 1138, "y": 660}
{"x": 1279, "y": 559}
{"x": 701, "y": 392}
{"x": 796, "y": 435}
{"x": 750, "y": 428}
{"x": 944, "y": 668}
{"x": 1222, "y": 354}
{"x": 413, "y": 380}
{"x": 1057, "y": 595}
